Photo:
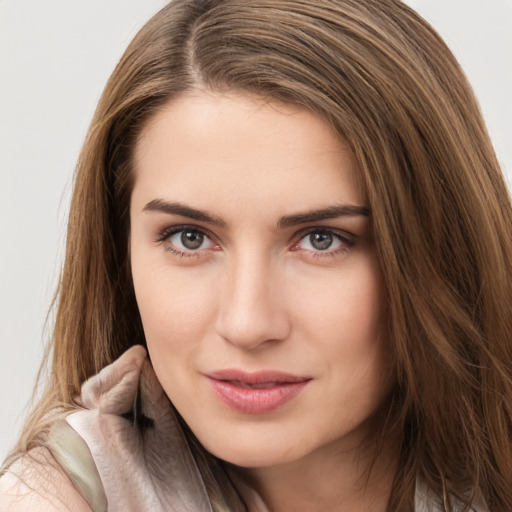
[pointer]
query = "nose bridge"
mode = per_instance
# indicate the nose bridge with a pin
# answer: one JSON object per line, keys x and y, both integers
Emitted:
{"x": 250, "y": 311}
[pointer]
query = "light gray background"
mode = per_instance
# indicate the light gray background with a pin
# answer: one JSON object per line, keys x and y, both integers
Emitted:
{"x": 55, "y": 57}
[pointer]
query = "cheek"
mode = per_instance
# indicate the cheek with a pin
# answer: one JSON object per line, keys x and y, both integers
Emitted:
{"x": 345, "y": 322}
{"x": 176, "y": 314}
{"x": 344, "y": 311}
{"x": 176, "y": 307}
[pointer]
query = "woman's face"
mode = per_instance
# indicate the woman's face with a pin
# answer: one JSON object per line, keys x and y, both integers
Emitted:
{"x": 256, "y": 278}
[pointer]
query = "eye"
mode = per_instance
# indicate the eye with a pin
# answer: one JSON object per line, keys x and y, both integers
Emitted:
{"x": 324, "y": 241}
{"x": 189, "y": 239}
{"x": 185, "y": 240}
{"x": 319, "y": 241}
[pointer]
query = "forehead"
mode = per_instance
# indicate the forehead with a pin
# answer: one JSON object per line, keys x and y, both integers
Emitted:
{"x": 244, "y": 150}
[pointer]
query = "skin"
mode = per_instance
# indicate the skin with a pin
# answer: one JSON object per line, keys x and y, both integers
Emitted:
{"x": 43, "y": 486}
{"x": 259, "y": 294}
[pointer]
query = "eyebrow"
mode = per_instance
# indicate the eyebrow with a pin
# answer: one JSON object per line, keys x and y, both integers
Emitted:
{"x": 159, "y": 205}
{"x": 331, "y": 212}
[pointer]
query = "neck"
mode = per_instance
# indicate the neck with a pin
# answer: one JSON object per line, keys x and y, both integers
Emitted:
{"x": 327, "y": 480}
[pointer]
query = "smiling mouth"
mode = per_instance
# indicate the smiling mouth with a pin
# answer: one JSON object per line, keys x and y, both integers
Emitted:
{"x": 253, "y": 386}
{"x": 255, "y": 393}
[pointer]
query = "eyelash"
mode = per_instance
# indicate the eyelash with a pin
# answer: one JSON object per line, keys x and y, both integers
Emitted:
{"x": 167, "y": 233}
{"x": 347, "y": 240}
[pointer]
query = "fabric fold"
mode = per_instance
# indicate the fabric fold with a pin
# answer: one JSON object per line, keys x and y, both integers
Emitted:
{"x": 149, "y": 468}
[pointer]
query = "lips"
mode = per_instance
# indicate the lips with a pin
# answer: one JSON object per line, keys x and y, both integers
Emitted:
{"x": 255, "y": 393}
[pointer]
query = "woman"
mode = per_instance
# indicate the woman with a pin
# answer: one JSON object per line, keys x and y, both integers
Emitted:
{"x": 295, "y": 207}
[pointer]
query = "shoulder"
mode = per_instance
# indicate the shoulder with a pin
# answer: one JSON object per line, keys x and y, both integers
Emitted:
{"x": 37, "y": 483}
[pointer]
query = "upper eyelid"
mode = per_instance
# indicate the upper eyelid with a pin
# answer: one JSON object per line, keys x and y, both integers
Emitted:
{"x": 167, "y": 232}
{"x": 337, "y": 232}
{"x": 304, "y": 231}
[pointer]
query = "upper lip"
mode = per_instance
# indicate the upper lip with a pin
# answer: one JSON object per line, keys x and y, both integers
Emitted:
{"x": 258, "y": 377}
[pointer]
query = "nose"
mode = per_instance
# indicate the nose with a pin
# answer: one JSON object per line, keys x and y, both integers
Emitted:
{"x": 252, "y": 311}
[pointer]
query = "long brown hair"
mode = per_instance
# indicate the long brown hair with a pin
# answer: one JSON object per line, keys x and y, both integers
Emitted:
{"x": 386, "y": 82}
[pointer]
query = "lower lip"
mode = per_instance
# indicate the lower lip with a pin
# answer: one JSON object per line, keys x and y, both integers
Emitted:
{"x": 256, "y": 400}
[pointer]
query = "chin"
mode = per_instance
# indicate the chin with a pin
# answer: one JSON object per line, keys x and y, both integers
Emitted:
{"x": 253, "y": 451}
{"x": 251, "y": 458}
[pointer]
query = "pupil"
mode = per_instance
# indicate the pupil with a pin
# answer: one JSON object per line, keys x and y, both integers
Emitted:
{"x": 321, "y": 241}
{"x": 191, "y": 239}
